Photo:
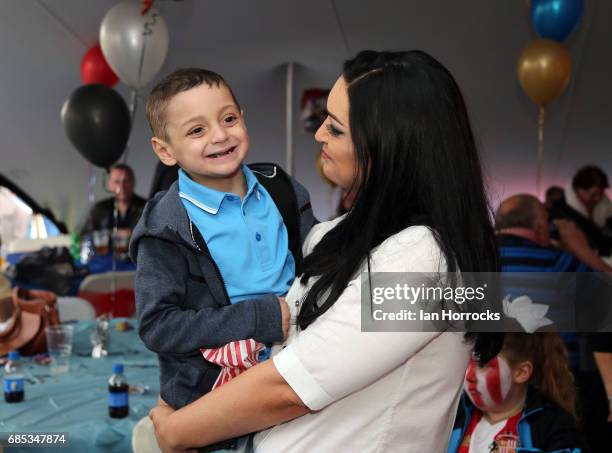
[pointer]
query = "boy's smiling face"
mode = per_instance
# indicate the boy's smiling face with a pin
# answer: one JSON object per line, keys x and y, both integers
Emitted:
{"x": 206, "y": 135}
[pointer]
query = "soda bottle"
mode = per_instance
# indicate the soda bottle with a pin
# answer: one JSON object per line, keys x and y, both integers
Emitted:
{"x": 118, "y": 406}
{"x": 13, "y": 379}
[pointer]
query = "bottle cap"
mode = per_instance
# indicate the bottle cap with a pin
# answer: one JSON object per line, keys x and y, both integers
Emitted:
{"x": 118, "y": 368}
{"x": 13, "y": 355}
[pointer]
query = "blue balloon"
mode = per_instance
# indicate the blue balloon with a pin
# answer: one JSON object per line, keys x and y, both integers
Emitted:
{"x": 556, "y": 19}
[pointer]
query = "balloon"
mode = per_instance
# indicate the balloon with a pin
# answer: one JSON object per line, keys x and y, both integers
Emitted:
{"x": 544, "y": 69}
{"x": 556, "y": 19}
{"x": 97, "y": 122}
{"x": 125, "y": 33}
{"x": 95, "y": 69}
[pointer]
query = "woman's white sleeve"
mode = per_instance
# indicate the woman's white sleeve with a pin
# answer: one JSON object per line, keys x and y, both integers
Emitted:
{"x": 333, "y": 358}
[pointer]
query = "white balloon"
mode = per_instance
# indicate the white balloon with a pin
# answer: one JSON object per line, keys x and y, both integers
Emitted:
{"x": 125, "y": 34}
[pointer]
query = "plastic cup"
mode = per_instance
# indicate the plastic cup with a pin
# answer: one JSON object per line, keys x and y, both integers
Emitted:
{"x": 101, "y": 240}
{"x": 59, "y": 346}
{"x": 121, "y": 242}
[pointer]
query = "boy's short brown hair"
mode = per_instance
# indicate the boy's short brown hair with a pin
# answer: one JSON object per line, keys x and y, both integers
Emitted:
{"x": 180, "y": 80}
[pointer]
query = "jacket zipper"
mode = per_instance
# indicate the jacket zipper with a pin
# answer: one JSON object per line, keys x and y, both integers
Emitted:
{"x": 215, "y": 267}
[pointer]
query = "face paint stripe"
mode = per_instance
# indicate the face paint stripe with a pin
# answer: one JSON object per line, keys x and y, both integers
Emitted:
{"x": 505, "y": 377}
{"x": 493, "y": 381}
{"x": 482, "y": 387}
{"x": 470, "y": 381}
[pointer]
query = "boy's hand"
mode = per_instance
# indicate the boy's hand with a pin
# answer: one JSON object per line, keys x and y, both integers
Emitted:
{"x": 285, "y": 316}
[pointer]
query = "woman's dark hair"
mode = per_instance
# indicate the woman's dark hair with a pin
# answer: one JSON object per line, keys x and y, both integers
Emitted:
{"x": 417, "y": 165}
{"x": 590, "y": 176}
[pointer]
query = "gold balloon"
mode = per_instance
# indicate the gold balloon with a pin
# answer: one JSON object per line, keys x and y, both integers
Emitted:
{"x": 544, "y": 69}
{"x": 319, "y": 165}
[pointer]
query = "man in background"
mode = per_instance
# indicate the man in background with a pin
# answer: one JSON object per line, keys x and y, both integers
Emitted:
{"x": 522, "y": 225}
{"x": 128, "y": 205}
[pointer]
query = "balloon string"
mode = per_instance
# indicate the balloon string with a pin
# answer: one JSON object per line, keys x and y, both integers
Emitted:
{"x": 540, "y": 150}
{"x": 113, "y": 298}
{"x": 142, "y": 55}
{"x": 147, "y": 30}
{"x": 133, "y": 105}
{"x": 132, "y": 108}
{"x": 148, "y": 24}
{"x": 91, "y": 194}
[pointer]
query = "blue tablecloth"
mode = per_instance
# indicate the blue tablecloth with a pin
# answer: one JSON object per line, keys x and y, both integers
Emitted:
{"x": 99, "y": 264}
{"x": 76, "y": 402}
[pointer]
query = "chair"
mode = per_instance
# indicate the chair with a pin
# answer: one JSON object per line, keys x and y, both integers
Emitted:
{"x": 98, "y": 290}
{"x": 75, "y": 309}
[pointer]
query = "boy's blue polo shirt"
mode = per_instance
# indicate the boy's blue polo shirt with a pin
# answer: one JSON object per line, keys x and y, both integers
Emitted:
{"x": 247, "y": 238}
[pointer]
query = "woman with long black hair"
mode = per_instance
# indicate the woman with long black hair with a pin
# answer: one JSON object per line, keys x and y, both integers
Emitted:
{"x": 398, "y": 138}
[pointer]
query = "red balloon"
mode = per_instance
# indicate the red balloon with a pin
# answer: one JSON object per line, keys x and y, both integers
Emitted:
{"x": 95, "y": 69}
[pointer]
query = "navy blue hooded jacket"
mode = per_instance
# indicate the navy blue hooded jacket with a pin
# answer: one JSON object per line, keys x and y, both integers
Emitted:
{"x": 181, "y": 300}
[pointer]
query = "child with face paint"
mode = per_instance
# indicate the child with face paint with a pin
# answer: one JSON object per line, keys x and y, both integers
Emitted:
{"x": 522, "y": 400}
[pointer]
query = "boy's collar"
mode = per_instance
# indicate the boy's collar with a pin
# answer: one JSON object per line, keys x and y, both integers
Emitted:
{"x": 209, "y": 199}
{"x": 251, "y": 182}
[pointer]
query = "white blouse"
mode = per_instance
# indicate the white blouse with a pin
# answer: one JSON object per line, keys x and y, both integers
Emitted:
{"x": 370, "y": 391}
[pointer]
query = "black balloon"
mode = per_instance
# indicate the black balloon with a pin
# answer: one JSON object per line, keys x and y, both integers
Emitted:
{"x": 97, "y": 122}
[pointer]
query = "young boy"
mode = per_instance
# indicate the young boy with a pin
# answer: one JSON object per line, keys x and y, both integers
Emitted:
{"x": 213, "y": 252}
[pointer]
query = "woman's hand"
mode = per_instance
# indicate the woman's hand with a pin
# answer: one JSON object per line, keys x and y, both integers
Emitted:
{"x": 159, "y": 416}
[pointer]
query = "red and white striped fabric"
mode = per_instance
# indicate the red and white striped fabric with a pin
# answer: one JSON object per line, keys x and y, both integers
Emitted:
{"x": 233, "y": 358}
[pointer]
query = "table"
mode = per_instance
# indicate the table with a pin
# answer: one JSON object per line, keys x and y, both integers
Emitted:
{"x": 76, "y": 402}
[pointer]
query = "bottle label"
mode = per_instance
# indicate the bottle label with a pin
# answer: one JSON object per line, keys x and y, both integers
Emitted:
{"x": 13, "y": 384}
{"x": 118, "y": 399}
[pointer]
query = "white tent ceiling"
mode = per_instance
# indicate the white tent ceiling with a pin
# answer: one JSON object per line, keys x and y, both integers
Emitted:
{"x": 248, "y": 41}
